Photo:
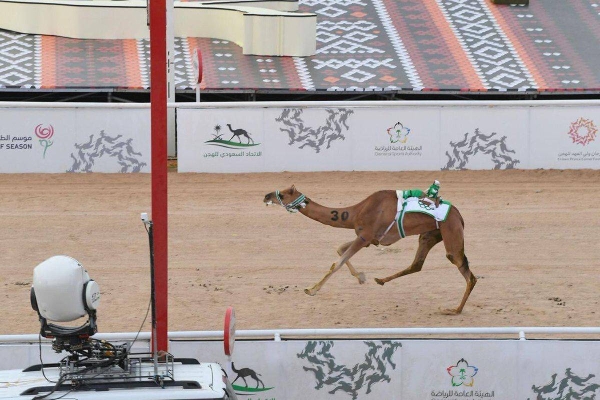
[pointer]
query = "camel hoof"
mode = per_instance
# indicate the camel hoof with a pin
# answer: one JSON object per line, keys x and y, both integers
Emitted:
{"x": 449, "y": 311}
{"x": 361, "y": 278}
{"x": 379, "y": 281}
{"x": 310, "y": 292}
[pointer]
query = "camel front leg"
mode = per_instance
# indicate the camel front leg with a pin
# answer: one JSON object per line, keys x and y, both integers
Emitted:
{"x": 354, "y": 247}
{"x": 426, "y": 242}
{"x": 358, "y": 275}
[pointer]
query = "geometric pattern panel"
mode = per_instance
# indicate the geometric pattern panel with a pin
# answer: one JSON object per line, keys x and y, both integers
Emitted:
{"x": 18, "y": 61}
{"x": 362, "y": 45}
{"x": 494, "y": 58}
{"x": 559, "y": 41}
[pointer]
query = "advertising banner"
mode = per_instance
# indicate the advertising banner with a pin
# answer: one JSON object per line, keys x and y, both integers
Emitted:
{"x": 307, "y": 369}
{"x": 484, "y": 138}
{"x": 221, "y": 140}
{"x": 408, "y": 369}
{"x": 565, "y": 137}
{"x": 59, "y": 140}
{"x": 416, "y": 369}
{"x": 395, "y": 137}
{"x": 559, "y": 370}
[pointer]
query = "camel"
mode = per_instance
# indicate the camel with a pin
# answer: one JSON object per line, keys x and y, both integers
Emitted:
{"x": 372, "y": 220}
{"x": 238, "y": 133}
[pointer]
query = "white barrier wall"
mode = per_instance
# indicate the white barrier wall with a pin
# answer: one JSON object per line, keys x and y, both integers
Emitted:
{"x": 408, "y": 369}
{"x": 412, "y": 369}
{"x": 387, "y": 136}
{"x": 73, "y": 139}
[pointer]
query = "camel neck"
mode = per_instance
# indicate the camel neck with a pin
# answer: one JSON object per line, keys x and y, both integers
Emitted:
{"x": 339, "y": 217}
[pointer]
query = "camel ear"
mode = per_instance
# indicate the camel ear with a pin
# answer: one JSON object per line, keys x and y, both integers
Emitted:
{"x": 292, "y": 189}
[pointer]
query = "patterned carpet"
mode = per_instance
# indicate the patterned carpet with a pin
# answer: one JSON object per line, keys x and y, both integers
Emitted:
{"x": 362, "y": 45}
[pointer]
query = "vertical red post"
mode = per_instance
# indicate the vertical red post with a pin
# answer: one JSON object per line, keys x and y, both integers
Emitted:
{"x": 158, "y": 116}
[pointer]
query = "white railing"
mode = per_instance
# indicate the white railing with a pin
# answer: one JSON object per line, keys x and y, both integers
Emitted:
{"x": 278, "y": 334}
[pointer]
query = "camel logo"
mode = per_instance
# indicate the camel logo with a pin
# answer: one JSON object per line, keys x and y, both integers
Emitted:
{"x": 103, "y": 145}
{"x": 570, "y": 387}
{"x": 352, "y": 379}
{"x": 462, "y": 373}
{"x": 398, "y": 133}
{"x": 45, "y": 133}
{"x": 583, "y": 131}
{"x": 317, "y": 138}
{"x": 235, "y": 141}
{"x": 253, "y": 378}
{"x": 473, "y": 143}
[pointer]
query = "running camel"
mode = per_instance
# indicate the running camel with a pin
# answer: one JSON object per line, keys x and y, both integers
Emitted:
{"x": 371, "y": 219}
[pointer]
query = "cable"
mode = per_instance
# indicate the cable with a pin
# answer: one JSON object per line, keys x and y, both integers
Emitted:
{"x": 41, "y": 361}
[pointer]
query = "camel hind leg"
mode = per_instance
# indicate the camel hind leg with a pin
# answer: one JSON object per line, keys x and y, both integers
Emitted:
{"x": 453, "y": 236}
{"x": 426, "y": 242}
{"x": 358, "y": 275}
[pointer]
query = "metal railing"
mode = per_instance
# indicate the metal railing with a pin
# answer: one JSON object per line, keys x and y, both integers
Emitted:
{"x": 356, "y": 333}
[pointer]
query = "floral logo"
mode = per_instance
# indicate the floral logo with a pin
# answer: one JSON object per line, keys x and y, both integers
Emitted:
{"x": 583, "y": 131}
{"x": 398, "y": 133}
{"x": 462, "y": 373}
{"x": 44, "y": 134}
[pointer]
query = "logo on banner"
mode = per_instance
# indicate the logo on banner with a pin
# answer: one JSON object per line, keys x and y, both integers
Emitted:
{"x": 351, "y": 379}
{"x": 253, "y": 384}
{"x": 491, "y": 146}
{"x": 398, "y": 135}
{"x": 240, "y": 139}
{"x": 569, "y": 387}
{"x": 319, "y": 137}
{"x": 583, "y": 131}
{"x": 462, "y": 373}
{"x": 102, "y": 146}
{"x": 44, "y": 134}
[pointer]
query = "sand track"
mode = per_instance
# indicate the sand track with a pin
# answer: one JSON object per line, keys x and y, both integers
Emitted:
{"x": 531, "y": 237}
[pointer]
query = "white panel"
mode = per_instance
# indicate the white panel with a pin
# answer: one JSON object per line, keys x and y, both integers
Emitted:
{"x": 459, "y": 369}
{"x": 311, "y": 369}
{"x": 74, "y": 140}
{"x": 396, "y": 138}
{"x": 565, "y": 137}
{"x": 221, "y": 140}
{"x": 484, "y": 138}
{"x": 559, "y": 370}
{"x": 310, "y": 139}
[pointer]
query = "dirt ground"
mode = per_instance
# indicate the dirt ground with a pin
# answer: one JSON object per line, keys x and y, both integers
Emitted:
{"x": 531, "y": 239}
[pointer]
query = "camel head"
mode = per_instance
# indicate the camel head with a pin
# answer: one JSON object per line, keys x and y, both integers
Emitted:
{"x": 291, "y": 199}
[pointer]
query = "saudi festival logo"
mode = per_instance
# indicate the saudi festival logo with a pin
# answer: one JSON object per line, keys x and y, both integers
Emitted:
{"x": 583, "y": 131}
{"x": 462, "y": 373}
{"x": 44, "y": 134}
{"x": 252, "y": 383}
{"x": 240, "y": 138}
{"x": 398, "y": 133}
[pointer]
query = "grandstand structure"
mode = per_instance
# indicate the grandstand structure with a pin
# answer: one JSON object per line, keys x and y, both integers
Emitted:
{"x": 365, "y": 49}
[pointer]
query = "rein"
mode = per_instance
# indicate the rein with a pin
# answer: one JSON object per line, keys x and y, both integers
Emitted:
{"x": 295, "y": 205}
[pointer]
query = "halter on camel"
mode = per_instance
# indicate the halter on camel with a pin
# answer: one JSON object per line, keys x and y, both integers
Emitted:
{"x": 371, "y": 219}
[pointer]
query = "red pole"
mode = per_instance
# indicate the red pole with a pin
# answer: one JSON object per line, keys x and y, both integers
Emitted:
{"x": 158, "y": 114}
